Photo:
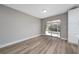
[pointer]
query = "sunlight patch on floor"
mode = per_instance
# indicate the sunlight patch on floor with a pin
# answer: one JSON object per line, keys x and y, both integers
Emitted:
{"x": 56, "y": 34}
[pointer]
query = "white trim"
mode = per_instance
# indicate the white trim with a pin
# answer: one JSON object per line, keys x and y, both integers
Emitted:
{"x": 11, "y": 43}
{"x": 73, "y": 41}
{"x": 64, "y": 38}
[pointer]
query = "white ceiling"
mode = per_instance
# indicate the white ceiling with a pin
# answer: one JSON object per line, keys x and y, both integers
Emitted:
{"x": 36, "y": 9}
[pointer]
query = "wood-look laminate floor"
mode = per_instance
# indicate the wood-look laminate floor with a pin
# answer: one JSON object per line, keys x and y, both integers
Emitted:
{"x": 41, "y": 45}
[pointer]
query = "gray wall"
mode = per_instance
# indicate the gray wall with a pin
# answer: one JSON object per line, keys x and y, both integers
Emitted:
{"x": 73, "y": 26}
{"x": 64, "y": 24}
{"x": 15, "y": 25}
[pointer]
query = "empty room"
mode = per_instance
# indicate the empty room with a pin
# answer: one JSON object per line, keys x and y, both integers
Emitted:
{"x": 39, "y": 28}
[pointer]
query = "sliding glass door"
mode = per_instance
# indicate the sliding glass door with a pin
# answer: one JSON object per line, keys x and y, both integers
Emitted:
{"x": 53, "y": 28}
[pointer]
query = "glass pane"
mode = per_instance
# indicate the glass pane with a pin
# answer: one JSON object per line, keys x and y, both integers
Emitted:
{"x": 53, "y": 27}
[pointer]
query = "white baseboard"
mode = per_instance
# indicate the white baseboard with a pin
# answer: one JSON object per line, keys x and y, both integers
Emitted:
{"x": 64, "y": 38}
{"x": 11, "y": 43}
{"x": 73, "y": 42}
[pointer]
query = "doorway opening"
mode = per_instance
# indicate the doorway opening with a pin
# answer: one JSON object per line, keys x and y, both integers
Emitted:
{"x": 53, "y": 28}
